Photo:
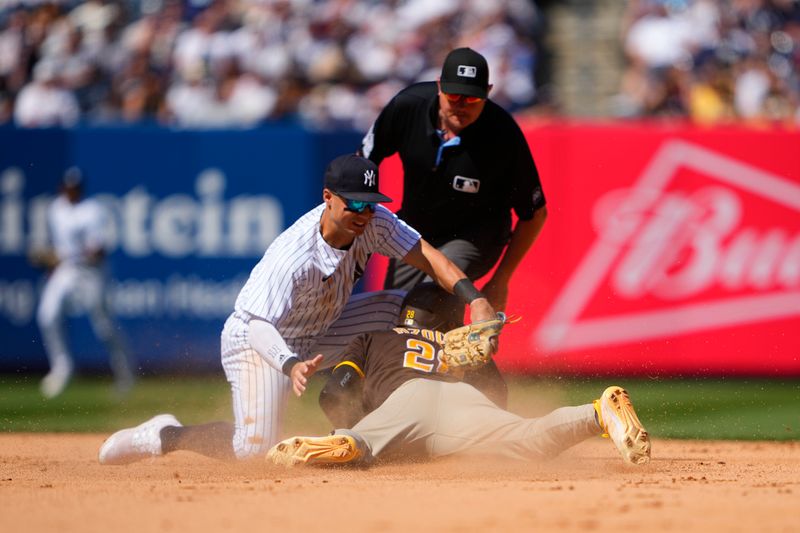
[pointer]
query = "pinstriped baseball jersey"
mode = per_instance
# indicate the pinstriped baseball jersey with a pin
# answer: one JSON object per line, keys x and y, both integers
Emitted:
{"x": 77, "y": 229}
{"x": 302, "y": 283}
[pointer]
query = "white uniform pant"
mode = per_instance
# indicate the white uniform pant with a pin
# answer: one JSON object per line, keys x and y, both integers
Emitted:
{"x": 260, "y": 392}
{"x": 79, "y": 288}
{"x": 436, "y": 418}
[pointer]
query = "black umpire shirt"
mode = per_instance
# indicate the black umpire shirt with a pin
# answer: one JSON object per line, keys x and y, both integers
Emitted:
{"x": 469, "y": 193}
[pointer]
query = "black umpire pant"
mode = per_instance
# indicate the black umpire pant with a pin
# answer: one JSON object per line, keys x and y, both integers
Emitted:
{"x": 475, "y": 263}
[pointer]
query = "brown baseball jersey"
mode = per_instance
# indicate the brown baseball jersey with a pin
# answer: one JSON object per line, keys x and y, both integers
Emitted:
{"x": 387, "y": 359}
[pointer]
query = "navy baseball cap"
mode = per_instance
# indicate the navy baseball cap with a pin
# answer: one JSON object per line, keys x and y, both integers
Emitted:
{"x": 73, "y": 177}
{"x": 465, "y": 72}
{"x": 354, "y": 178}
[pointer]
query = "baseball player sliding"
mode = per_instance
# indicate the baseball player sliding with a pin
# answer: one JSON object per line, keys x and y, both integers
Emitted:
{"x": 415, "y": 406}
{"x": 78, "y": 280}
{"x": 295, "y": 314}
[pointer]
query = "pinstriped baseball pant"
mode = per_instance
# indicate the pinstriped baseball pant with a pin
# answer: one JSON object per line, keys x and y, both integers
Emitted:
{"x": 437, "y": 418}
{"x": 260, "y": 392}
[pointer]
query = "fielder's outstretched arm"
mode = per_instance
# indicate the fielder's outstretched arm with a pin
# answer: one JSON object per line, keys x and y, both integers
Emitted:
{"x": 435, "y": 264}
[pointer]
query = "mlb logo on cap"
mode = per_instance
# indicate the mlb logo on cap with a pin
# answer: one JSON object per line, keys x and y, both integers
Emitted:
{"x": 467, "y": 71}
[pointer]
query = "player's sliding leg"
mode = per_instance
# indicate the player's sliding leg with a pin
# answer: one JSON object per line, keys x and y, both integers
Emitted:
{"x": 214, "y": 440}
{"x": 259, "y": 392}
{"x": 328, "y": 450}
{"x": 619, "y": 421}
{"x": 488, "y": 430}
{"x": 163, "y": 434}
{"x": 136, "y": 443}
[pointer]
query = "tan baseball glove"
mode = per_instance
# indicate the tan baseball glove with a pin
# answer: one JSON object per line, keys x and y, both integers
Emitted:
{"x": 472, "y": 346}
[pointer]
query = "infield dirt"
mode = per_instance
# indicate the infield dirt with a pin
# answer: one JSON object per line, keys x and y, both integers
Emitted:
{"x": 52, "y": 482}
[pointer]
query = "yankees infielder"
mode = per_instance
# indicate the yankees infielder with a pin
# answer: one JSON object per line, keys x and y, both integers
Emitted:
{"x": 295, "y": 314}
{"x": 414, "y": 407}
{"x": 78, "y": 280}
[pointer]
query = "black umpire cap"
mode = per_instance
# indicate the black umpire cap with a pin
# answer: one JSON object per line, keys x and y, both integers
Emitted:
{"x": 355, "y": 178}
{"x": 465, "y": 72}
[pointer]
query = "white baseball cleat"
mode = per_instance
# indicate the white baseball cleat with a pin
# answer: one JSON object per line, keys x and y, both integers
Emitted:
{"x": 54, "y": 383}
{"x": 618, "y": 418}
{"x": 136, "y": 443}
{"x": 333, "y": 449}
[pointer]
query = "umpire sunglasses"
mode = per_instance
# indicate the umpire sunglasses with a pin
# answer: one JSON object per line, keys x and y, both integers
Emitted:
{"x": 454, "y": 98}
{"x": 357, "y": 206}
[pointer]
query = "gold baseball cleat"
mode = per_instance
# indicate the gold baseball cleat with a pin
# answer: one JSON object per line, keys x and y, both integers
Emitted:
{"x": 619, "y": 421}
{"x": 332, "y": 449}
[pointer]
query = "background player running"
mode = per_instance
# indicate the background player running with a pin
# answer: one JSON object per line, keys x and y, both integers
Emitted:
{"x": 414, "y": 407}
{"x": 78, "y": 233}
{"x": 297, "y": 306}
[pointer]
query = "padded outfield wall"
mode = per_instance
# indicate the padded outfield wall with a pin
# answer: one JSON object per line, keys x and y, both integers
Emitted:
{"x": 194, "y": 212}
{"x": 668, "y": 249}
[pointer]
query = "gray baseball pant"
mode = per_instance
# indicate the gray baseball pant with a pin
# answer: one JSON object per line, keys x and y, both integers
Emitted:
{"x": 437, "y": 418}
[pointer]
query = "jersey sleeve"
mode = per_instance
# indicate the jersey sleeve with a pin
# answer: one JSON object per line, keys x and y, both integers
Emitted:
{"x": 355, "y": 354}
{"x": 393, "y": 237}
{"x": 526, "y": 189}
{"x": 381, "y": 140}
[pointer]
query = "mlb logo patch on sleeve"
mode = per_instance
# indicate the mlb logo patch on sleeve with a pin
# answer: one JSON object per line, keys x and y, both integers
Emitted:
{"x": 470, "y": 185}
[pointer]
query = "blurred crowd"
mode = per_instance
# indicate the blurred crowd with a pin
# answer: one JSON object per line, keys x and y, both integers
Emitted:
{"x": 335, "y": 63}
{"x": 713, "y": 61}
{"x": 227, "y": 63}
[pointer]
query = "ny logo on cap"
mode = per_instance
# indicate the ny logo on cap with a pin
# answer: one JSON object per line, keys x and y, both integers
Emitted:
{"x": 369, "y": 178}
{"x": 467, "y": 71}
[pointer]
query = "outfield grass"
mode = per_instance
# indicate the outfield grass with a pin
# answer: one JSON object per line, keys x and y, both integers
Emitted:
{"x": 682, "y": 409}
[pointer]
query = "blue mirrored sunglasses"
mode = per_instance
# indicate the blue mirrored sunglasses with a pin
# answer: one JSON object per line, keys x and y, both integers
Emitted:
{"x": 358, "y": 206}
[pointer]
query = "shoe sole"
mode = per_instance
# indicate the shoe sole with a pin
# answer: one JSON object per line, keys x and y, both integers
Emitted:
{"x": 635, "y": 442}
{"x": 335, "y": 449}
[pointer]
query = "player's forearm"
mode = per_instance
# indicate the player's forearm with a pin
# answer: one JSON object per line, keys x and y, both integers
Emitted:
{"x": 524, "y": 235}
{"x": 451, "y": 278}
{"x": 268, "y": 342}
{"x": 435, "y": 264}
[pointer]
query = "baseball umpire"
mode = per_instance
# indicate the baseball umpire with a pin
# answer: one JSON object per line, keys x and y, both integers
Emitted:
{"x": 413, "y": 407}
{"x": 466, "y": 166}
{"x": 296, "y": 313}
{"x": 77, "y": 281}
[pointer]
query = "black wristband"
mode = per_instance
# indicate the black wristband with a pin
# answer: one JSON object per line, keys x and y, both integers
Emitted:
{"x": 286, "y": 368}
{"x": 465, "y": 290}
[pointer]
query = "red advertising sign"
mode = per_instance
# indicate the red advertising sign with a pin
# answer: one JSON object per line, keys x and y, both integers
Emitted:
{"x": 667, "y": 250}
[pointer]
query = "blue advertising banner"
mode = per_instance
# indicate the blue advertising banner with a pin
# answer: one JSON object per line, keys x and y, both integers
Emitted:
{"x": 192, "y": 214}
